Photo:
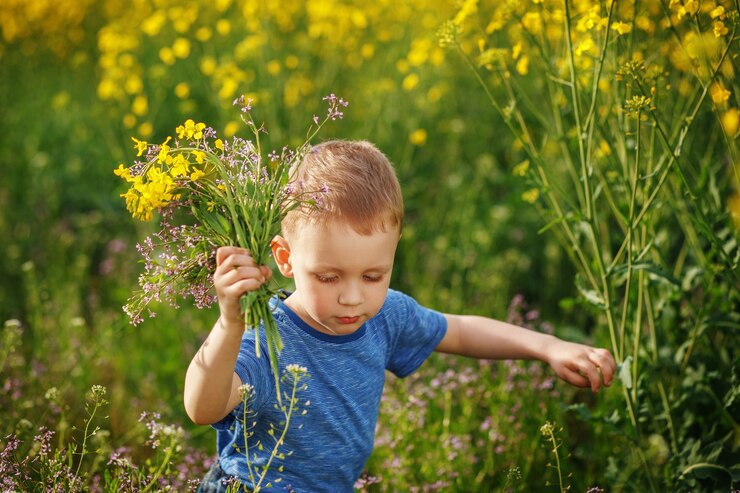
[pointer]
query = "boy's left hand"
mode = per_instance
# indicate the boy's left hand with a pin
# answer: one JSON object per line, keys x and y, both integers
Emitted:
{"x": 581, "y": 365}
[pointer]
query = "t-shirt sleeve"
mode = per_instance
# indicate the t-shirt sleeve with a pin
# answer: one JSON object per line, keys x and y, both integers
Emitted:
{"x": 415, "y": 331}
{"x": 253, "y": 371}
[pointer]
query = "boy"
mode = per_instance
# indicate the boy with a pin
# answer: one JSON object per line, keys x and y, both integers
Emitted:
{"x": 345, "y": 326}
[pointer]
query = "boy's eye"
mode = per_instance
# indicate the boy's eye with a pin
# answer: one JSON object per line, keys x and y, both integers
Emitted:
{"x": 373, "y": 278}
{"x": 327, "y": 279}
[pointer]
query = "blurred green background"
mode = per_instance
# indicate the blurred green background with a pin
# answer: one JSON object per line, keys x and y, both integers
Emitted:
{"x": 78, "y": 79}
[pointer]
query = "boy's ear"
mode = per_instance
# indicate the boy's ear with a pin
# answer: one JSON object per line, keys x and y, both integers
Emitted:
{"x": 281, "y": 254}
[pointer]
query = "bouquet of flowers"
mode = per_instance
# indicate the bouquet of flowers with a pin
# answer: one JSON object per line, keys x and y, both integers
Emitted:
{"x": 209, "y": 193}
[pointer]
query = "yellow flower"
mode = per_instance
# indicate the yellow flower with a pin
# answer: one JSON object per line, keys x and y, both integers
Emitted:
{"x": 231, "y": 128}
{"x": 522, "y": 66}
{"x": 621, "y": 27}
{"x": 208, "y": 65}
{"x": 690, "y": 7}
{"x": 164, "y": 150}
{"x": 190, "y": 130}
{"x": 733, "y": 205}
{"x": 521, "y": 168}
{"x": 229, "y": 87}
{"x": 133, "y": 84}
{"x": 468, "y": 7}
{"x": 273, "y": 67}
{"x": 140, "y": 105}
{"x": 367, "y": 51}
{"x": 124, "y": 173}
{"x": 532, "y": 22}
{"x": 153, "y": 24}
{"x": 182, "y": 90}
{"x": 167, "y": 55}
{"x": 140, "y": 146}
{"x": 730, "y": 121}
{"x": 223, "y": 27}
{"x": 129, "y": 120}
{"x": 179, "y": 166}
{"x": 591, "y": 20}
{"x": 219, "y": 144}
{"x": 496, "y": 24}
{"x": 181, "y": 48}
{"x": 410, "y": 81}
{"x": 146, "y": 129}
{"x": 418, "y": 137}
{"x": 144, "y": 197}
{"x": 531, "y": 196}
{"x": 585, "y": 46}
{"x": 717, "y": 12}
{"x": 199, "y": 156}
{"x": 203, "y": 34}
{"x": 196, "y": 175}
{"x": 516, "y": 50}
{"x": 719, "y": 93}
{"x": 719, "y": 29}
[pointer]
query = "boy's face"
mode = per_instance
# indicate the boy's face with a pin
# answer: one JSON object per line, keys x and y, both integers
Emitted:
{"x": 341, "y": 277}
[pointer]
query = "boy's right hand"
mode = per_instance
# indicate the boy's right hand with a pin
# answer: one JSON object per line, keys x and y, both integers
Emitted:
{"x": 236, "y": 273}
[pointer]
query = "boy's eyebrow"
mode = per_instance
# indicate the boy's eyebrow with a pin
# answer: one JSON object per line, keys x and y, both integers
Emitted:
{"x": 327, "y": 267}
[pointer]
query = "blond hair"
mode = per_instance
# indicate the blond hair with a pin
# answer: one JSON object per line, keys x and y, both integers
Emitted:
{"x": 351, "y": 181}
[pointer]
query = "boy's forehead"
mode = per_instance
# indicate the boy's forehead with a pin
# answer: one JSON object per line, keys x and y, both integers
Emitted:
{"x": 317, "y": 224}
{"x": 336, "y": 240}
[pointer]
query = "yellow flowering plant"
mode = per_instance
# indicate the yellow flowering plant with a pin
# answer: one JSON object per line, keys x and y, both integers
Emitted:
{"x": 210, "y": 193}
{"x": 624, "y": 122}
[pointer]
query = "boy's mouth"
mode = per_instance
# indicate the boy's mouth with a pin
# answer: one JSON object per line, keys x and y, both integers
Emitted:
{"x": 347, "y": 320}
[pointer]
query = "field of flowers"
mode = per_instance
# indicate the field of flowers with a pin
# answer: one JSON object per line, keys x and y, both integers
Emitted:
{"x": 568, "y": 165}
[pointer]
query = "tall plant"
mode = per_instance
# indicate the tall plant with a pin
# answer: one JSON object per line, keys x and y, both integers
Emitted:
{"x": 624, "y": 120}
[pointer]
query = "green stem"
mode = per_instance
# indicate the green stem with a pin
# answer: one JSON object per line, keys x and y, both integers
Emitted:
{"x": 637, "y": 336}
{"x": 628, "y": 240}
{"x": 85, "y": 436}
{"x": 577, "y": 115}
{"x": 158, "y": 473}
{"x": 280, "y": 440}
{"x": 555, "y": 447}
{"x": 669, "y": 418}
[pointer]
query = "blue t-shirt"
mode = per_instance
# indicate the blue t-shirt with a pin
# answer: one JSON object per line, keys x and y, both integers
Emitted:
{"x": 327, "y": 447}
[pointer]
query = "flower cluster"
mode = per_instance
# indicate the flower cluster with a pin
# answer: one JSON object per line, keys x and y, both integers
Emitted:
{"x": 211, "y": 193}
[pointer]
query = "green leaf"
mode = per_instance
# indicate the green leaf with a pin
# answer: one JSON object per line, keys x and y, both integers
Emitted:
{"x": 213, "y": 221}
{"x": 624, "y": 372}
{"x": 649, "y": 267}
{"x": 590, "y": 295}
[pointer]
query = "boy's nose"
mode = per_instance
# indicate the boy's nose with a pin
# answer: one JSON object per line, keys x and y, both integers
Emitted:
{"x": 351, "y": 295}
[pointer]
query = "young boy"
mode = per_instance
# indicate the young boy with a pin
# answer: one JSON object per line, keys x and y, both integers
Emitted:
{"x": 345, "y": 326}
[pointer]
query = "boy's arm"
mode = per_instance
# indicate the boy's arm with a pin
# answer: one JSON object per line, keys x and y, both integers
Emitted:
{"x": 481, "y": 337}
{"x": 211, "y": 385}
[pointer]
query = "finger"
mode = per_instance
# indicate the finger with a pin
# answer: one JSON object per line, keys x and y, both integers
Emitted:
{"x": 234, "y": 260}
{"x": 224, "y": 253}
{"x": 243, "y": 286}
{"x": 605, "y": 363}
{"x": 227, "y": 276}
{"x": 591, "y": 372}
{"x": 574, "y": 378}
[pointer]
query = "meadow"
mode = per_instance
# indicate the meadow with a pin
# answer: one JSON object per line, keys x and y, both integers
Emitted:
{"x": 569, "y": 166}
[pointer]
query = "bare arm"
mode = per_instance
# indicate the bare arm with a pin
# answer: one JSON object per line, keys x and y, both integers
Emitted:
{"x": 211, "y": 385}
{"x": 481, "y": 337}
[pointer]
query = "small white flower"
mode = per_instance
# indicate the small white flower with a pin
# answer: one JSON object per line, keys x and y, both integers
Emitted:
{"x": 296, "y": 369}
{"x": 245, "y": 390}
